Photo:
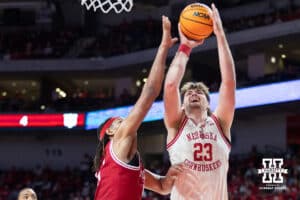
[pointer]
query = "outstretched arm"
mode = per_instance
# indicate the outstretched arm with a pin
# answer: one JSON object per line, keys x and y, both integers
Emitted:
{"x": 172, "y": 102}
{"x": 226, "y": 105}
{"x": 152, "y": 87}
{"x": 162, "y": 184}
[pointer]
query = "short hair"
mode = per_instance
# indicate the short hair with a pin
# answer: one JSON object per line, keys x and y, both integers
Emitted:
{"x": 26, "y": 189}
{"x": 195, "y": 85}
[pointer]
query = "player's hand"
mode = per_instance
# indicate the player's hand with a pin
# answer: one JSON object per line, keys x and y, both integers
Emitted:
{"x": 217, "y": 22}
{"x": 188, "y": 42}
{"x": 167, "y": 40}
{"x": 168, "y": 181}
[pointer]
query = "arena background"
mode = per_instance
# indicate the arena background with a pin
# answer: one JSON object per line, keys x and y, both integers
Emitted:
{"x": 58, "y": 58}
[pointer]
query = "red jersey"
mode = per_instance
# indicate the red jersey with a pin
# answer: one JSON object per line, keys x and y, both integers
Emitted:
{"x": 118, "y": 180}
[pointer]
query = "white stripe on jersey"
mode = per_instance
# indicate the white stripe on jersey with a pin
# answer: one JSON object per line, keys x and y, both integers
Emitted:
{"x": 204, "y": 149}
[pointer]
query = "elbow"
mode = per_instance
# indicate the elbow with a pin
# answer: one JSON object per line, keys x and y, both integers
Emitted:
{"x": 164, "y": 191}
{"x": 151, "y": 92}
{"x": 170, "y": 86}
{"x": 165, "y": 186}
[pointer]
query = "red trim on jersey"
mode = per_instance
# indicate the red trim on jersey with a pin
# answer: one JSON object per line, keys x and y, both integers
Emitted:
{"x": 194, "y": 122}
{"x": 178, "y": 133}
{"x": 220, "y": 130}
{"x": 197, "y": 125}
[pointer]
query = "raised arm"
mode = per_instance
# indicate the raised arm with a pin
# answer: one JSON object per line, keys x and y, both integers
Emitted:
{"x": 226, "y": 104}
{"x": 172, "y": 101}
{"x": 152, "y": 87}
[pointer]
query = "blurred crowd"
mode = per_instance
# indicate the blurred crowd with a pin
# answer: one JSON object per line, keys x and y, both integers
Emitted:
{"x": 138, "y": 35}
{"x": 128, "y": 36}
{"x": 79, "y": 183}
{"x": 36, "y": 44}
{"x": 83, "y": 100}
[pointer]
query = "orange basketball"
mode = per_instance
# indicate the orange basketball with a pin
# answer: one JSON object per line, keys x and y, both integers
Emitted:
{"x": 195, "y": 22}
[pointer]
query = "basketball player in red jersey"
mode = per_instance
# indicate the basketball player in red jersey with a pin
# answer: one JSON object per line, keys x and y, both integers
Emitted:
{"x": 118, "y": 166}
{"x": 198, "y": 138}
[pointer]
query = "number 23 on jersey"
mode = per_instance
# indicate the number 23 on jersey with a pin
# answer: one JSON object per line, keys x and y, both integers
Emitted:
{"x": 202, "y": 152}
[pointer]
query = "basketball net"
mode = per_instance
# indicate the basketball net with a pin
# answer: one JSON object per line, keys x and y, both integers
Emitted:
{"x": 107, "y": 5}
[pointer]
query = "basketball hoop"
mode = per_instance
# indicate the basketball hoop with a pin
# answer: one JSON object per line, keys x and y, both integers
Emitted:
{"x": 107, "y": 5}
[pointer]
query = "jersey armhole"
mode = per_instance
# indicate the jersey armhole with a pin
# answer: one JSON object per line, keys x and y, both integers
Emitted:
{"x": 226, "y": 140}
{"x": 120, "y": 162}
{"x": 180, "y": 128}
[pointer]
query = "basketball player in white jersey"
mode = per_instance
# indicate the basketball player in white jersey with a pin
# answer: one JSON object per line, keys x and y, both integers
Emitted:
{"x": 27, "y": 194}
{"x": 198, "y": 138}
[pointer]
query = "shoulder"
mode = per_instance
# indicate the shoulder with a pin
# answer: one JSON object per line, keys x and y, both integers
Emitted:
{"x": 222, "y": 126}
{"x": 174, "y": 131}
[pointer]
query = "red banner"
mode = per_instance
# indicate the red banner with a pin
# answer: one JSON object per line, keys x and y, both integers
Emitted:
{"x": 68, "y": 120}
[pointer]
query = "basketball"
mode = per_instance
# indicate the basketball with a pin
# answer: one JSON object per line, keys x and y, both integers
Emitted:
{"x": 195, "y": 22}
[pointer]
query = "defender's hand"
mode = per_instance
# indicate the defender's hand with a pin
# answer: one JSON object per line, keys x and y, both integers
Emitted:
{"x": 168, "y": 181}
{"x": 167, "y": 40}
{"x": 217, "y": 22}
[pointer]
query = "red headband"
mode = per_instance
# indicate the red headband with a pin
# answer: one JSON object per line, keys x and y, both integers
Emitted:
{"x": 106, "y": 126}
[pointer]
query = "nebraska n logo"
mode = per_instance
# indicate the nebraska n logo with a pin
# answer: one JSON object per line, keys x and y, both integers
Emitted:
{"x": 272, "y": 170}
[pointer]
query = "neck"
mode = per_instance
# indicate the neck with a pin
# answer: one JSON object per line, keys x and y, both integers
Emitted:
{"x": 197, "y": 115}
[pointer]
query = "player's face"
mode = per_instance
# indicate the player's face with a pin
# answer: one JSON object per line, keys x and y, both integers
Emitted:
{"x": 27, "y": 195}
{"x": 195, "y": 98}
{"x": 115, "y": 125}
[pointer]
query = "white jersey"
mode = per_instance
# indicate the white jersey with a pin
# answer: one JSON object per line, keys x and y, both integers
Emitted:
{"x": 204, "y": 150}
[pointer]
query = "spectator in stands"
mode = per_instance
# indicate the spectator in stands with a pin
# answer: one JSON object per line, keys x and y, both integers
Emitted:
{"x": 125, "y": 97}
{"x": 27, "y": 194}
{"x": 66, "y": 183}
